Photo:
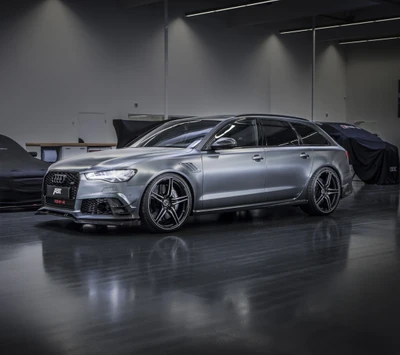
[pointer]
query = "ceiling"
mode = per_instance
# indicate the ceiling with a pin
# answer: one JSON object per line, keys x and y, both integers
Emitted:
{"x": 291, "y": 14}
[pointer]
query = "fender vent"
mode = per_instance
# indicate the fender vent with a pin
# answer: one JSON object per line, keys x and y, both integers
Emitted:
{"x": 191, "y": 167}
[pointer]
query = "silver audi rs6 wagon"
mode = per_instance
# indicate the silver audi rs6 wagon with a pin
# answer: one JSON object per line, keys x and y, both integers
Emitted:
{"x": 202, "y": 165}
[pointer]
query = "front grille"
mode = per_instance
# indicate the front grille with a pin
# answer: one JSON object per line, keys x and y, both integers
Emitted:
{"x": 96, "y": 206}
{"x": 69, "y": 179}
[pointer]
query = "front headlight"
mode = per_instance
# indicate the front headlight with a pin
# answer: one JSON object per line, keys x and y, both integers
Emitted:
{"x": 112, "y": 175}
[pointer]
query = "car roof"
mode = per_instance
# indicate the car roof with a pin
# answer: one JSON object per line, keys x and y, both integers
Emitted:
{"x": 344, "y": 123}
{"x": 222, "y": 118}
{"x": 273, "y": 115}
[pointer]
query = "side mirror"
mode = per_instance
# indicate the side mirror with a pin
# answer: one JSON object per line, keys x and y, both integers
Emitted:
{"x": 34, "y": 154}
{"x": 224, "y": 143}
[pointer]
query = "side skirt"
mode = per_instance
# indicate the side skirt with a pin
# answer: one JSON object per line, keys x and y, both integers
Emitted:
{"x": 252, "y": 206}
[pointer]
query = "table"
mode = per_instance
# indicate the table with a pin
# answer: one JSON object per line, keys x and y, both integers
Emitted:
{"x": 52, "y": 152}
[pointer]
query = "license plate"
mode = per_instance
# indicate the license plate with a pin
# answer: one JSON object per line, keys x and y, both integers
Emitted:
{"x": 60, "y": 203}
{"x": 58, "y": 192}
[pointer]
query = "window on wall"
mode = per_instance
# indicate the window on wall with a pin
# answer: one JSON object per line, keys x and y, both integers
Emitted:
{"x": 309, "y": 135}
{"x": 278, "y": 133}
{"x": 243, "y": 131}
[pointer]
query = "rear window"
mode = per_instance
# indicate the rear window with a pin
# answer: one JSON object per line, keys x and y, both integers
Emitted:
{"x": 309, "y": 135}
{"x": 278, "y": 134}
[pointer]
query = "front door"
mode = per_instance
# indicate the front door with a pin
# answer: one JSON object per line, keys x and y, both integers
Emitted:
{"x": 235, "y": 177}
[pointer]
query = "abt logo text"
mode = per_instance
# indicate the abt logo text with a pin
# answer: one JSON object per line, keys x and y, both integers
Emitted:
{"x": 57, "y": 191}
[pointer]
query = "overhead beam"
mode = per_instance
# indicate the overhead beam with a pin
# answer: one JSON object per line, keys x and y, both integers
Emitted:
{"x": 230, "y": 8}
{"x": 368, "y": 40}
{"x": 341, "y": 25}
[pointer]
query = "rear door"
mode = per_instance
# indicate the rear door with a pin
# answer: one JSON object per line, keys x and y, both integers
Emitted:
{"x": 288, "y": 163}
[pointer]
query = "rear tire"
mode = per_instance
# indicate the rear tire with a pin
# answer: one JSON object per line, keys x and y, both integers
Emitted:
{"x": 166, "y": 204}
{"x": 324, "y": 192}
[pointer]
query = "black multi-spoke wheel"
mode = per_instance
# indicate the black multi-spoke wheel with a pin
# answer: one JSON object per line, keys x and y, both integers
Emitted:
{"x": 166, "y": 204}
{"x": 324, "y": 192}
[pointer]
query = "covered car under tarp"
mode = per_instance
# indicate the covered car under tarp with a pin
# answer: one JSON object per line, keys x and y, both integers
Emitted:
{"x": 21, "y": 175}
{"x": 374, "y": 160}
{"x": 128, "y": 130}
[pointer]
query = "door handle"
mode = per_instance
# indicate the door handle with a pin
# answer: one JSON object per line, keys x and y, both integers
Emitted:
{"x": 304, "y": 155}
{"x": 258, "y": 158}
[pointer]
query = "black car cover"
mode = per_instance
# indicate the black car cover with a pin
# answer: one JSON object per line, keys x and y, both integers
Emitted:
{"x": 374, "y": 160}
{"x": 127, "y": 131}
{"x": 21, "y": 175}
{"x": 130, "y": 130}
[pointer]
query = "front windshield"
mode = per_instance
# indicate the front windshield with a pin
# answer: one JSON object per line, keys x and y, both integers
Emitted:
{"x": 180, "y": 134}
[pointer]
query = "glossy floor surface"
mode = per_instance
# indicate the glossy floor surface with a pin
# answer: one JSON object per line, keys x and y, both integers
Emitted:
{"x": 266, "y": 282}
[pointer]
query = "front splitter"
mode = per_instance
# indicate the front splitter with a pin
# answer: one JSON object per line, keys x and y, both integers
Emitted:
{"x": 103, "y": 222}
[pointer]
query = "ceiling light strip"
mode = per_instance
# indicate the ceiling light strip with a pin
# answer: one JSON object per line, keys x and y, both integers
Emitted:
{"x": 230, "y": 8}
{"x": 370, "y": 40}
{"x": 319, "y": 28}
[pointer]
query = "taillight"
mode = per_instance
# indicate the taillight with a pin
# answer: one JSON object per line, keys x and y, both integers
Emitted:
{"x": 347, "y": 154}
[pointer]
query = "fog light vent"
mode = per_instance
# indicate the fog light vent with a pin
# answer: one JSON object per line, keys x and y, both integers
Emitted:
{"x": 98, "y": 206}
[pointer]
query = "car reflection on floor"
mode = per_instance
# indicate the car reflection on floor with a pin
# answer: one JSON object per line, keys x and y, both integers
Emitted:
{"x": 197, "y": 283}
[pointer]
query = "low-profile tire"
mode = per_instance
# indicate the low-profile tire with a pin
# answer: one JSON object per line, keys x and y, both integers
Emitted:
{"x": 166, "y": 204}
{"x": 323, "y": 193}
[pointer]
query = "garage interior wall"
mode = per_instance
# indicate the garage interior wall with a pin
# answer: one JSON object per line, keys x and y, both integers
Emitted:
{"x": 61, "y": 59}
{"x": 373, "y": 74}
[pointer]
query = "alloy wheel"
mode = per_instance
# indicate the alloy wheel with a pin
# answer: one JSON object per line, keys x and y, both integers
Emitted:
{"x": 327, "y": 191}
{"x": 169, "y": 203}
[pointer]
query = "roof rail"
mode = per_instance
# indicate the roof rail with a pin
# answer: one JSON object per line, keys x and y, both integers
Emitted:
{"x": 271, "y": 115}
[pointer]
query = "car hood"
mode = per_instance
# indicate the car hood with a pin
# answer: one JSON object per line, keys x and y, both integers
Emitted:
{"x": 115, "y": 158}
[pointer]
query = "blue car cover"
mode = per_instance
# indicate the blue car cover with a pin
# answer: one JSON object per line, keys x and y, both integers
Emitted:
{"x": 374, "y": 160}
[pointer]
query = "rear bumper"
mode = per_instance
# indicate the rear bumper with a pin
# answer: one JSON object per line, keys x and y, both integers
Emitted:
{"x": 347, "y": 189}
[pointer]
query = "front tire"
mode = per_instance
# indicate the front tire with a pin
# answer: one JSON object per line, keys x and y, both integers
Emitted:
{"x": 324, "y": 192}
{"x": 166, "y": 204}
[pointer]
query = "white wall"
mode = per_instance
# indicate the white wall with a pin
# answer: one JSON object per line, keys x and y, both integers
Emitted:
{"x": 51, "y": 68}
{"x": 291, "y": 78}
{"x": 59, "y": 59}
{"x": 216, "y": 70}
{"x": 330, "y": 100}
{"x": 373, "y": 73}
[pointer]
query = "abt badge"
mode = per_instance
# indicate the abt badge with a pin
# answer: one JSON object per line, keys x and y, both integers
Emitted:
{"x": 57, "y": 191}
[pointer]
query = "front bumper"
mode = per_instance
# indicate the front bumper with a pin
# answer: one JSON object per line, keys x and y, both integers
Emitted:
{"x": 122, "y": 201}
{"x": 88, "y": 219}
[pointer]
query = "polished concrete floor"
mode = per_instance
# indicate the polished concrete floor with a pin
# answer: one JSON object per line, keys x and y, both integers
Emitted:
{"x": 266, "y": 282}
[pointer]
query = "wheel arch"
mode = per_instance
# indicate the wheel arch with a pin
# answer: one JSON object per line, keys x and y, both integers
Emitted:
{"x": 181, "y": 175}
{"x": 336, "y": 170}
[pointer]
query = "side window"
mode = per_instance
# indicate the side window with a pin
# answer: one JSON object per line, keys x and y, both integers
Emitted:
{"x": 278, "y": 133}
{"x": 243, "y": 131}
{"x": 309, "y": 135}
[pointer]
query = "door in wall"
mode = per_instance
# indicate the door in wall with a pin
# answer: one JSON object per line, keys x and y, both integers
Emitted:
{"x": 95, "y": 128}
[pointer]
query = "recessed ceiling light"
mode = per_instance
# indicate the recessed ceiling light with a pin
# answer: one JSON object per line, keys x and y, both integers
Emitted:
{"x": 193, "y": 14}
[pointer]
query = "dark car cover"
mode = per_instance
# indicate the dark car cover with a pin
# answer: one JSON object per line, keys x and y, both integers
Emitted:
{"x": 130, "y": 130}
{"x": 127, "y": 131}
{"x": 21, "y": 175}
{"x": 374, "y": 160}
